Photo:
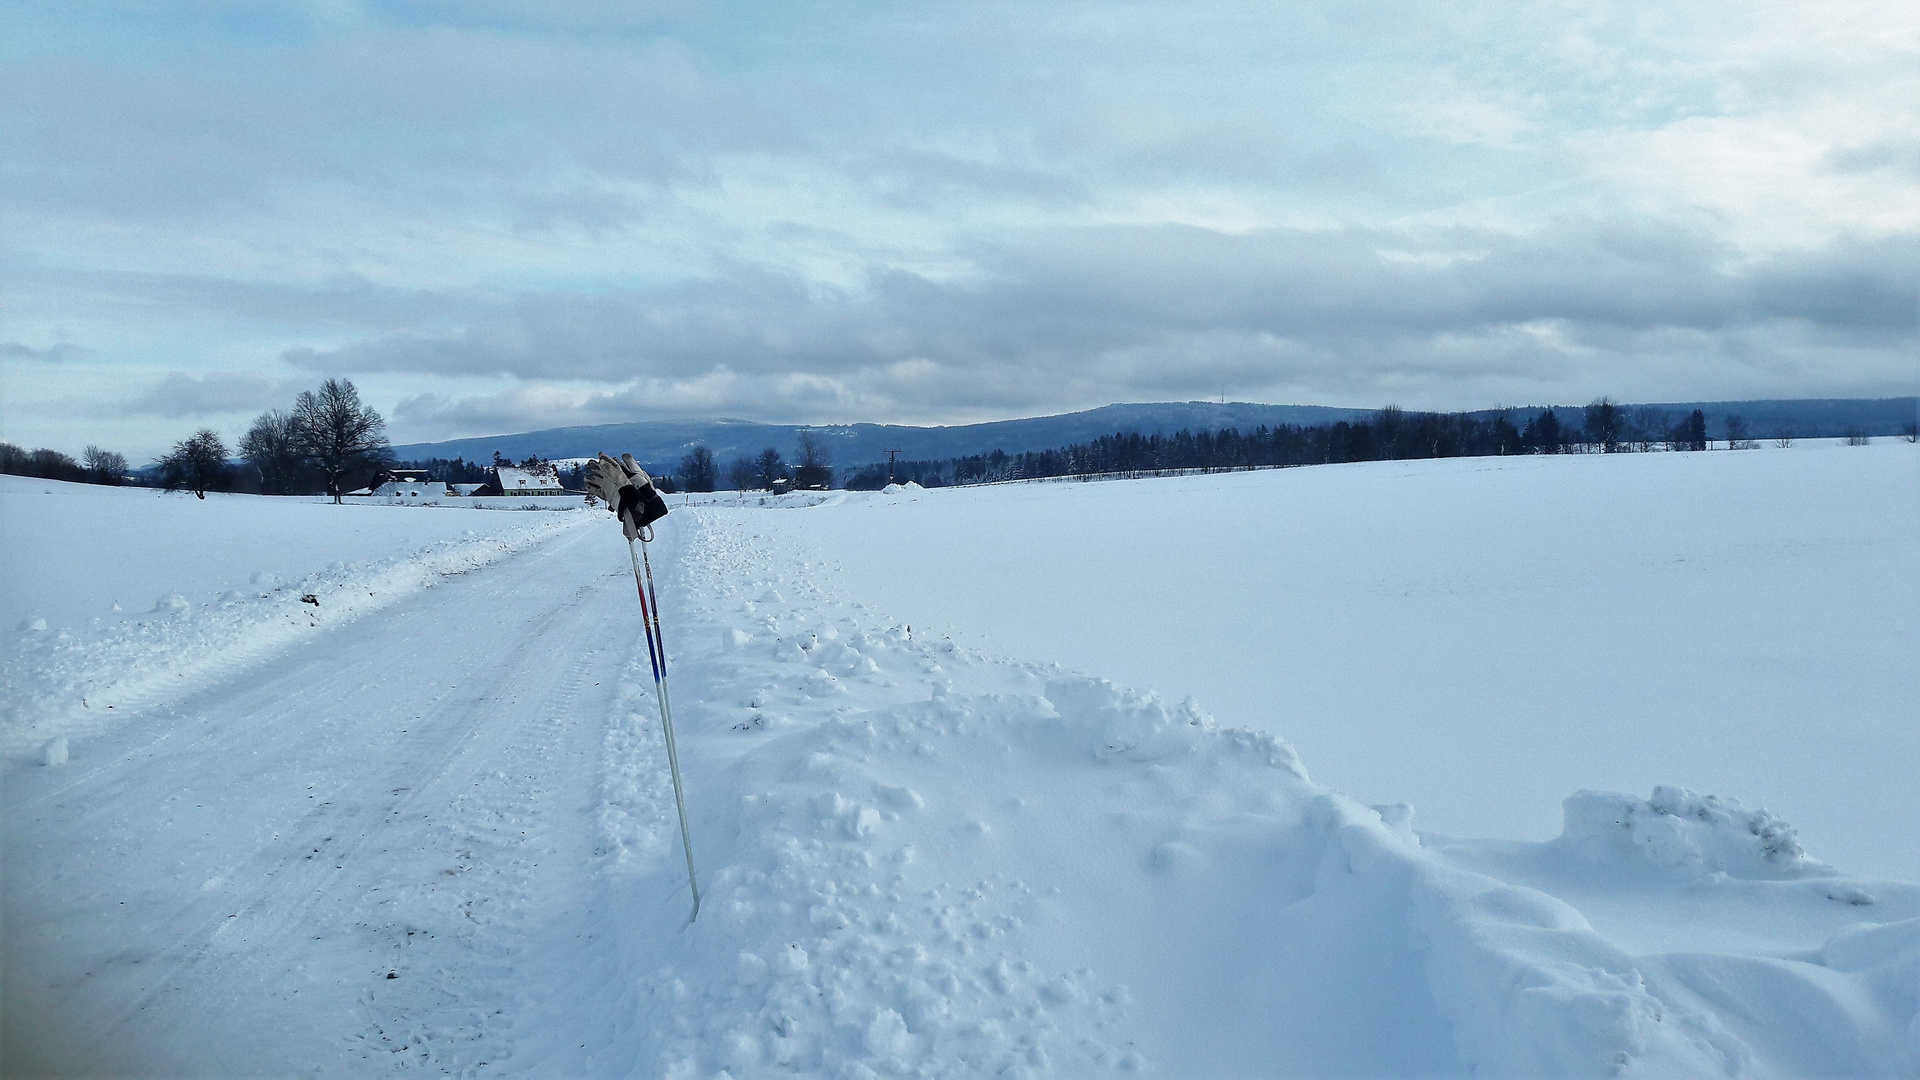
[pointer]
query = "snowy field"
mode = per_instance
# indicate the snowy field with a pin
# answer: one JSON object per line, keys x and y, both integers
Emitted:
{"x": 994, "y": 782}
{"x": 1478, "y": 637}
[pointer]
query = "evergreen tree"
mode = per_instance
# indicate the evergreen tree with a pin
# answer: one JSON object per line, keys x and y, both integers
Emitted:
{"x": 1693, "y": 432}
{"x": 1547, "y": 432}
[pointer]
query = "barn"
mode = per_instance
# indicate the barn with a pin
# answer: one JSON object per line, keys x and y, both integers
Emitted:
{"x": 528, "y": 480}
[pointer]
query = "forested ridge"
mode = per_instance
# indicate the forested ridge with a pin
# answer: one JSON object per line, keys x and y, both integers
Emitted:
{"x": 1390, "y": 434}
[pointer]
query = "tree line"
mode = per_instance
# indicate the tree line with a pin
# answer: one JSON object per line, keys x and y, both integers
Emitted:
{"x": 1389, "y": 434}
{"x": 328, "y": 442}
{"x": 95, "y": 465}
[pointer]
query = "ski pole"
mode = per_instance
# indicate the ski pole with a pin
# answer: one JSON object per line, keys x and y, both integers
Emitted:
{"x": 657, "y": 656}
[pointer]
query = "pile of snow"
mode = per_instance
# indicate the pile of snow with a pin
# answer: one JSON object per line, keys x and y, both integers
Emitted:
{"x": 1676, "y": 827}
{"x": 918, "y": 859}
{"x": 122, "y": 597}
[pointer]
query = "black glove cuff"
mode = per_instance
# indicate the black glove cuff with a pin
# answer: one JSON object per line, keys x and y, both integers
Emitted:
{"x": 641, "y": 505}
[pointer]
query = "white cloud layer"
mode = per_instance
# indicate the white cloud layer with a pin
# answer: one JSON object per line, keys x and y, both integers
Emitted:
{"x": 497, "y": 217}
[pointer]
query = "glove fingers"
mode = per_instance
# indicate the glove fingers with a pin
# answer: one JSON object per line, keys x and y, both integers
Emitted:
{"x": 606, "y": 477}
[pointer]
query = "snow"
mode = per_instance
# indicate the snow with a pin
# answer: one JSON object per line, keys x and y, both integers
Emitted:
{"x": 226, "y": 576}
{"x": 417, "y": 491}
{"x": 400, "y": 844}
{"x": 1477, "y": 637}
{"x": 1042, "y": 871}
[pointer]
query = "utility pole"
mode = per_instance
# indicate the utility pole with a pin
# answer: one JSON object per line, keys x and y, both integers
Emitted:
{"x": 890, "y": 454}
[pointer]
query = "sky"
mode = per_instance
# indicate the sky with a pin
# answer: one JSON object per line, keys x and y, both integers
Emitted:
{"x": 497, "y": 217}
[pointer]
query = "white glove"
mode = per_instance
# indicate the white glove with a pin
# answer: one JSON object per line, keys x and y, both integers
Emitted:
{"x": 628, "y": 490}
{"x": 605, "y": 477}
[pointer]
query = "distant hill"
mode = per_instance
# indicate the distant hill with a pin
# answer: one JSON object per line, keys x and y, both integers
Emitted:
{"x": 659, "y": 444}
{"x": 1806, "y": 418}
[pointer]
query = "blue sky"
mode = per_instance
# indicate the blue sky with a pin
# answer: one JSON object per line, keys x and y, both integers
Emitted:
{"x": 496, "y": 217}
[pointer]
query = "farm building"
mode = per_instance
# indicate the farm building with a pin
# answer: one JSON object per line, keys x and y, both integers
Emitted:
{"x": 411, "y": 491}
{"x": 528, "y": 480}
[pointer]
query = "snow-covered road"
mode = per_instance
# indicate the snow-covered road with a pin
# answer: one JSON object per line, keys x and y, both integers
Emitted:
{"x": 379, "y": 845}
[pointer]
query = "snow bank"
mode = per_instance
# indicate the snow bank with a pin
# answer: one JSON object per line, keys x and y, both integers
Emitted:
{"x": 921, "y": 860}
{"x": 126, "y": 597}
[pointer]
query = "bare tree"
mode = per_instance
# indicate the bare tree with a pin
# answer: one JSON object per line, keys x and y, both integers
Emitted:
{"x": 105, "y": 466}
{"x": 197, "y": 464}
{"x": 338, "y": 436}
{"x": 1738, "y": 438}
{"x": 1784, "y": 433}
{"x": 1857, "y": 436}
{"x": 742, "y": 474}
{"x": 816, "y": 461}
{"x": 768, "y": 467}
{"x": 272, "y": 445}
{"x": 1910, "y": 431}
{"x": 1647, "y": 428}
{"x": 698, "y": 471}
{"x": 1603, "y": 425}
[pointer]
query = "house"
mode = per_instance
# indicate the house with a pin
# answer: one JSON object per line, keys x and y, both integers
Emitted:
{"x": 465, "y": 489}
{"x": 528, "y": 480}
{"x": 411, "y": 491}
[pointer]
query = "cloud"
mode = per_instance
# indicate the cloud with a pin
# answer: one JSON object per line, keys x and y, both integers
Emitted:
{"x": 51, "y": 354}
{"x": 348, "y": 302}
{"x": 503, "y": 214}
{"x": 1120, "y": 310}
{"x": 178, "y": 395}
{"x": 1148, "y": 141}
{"x": 1896, "y": 155}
